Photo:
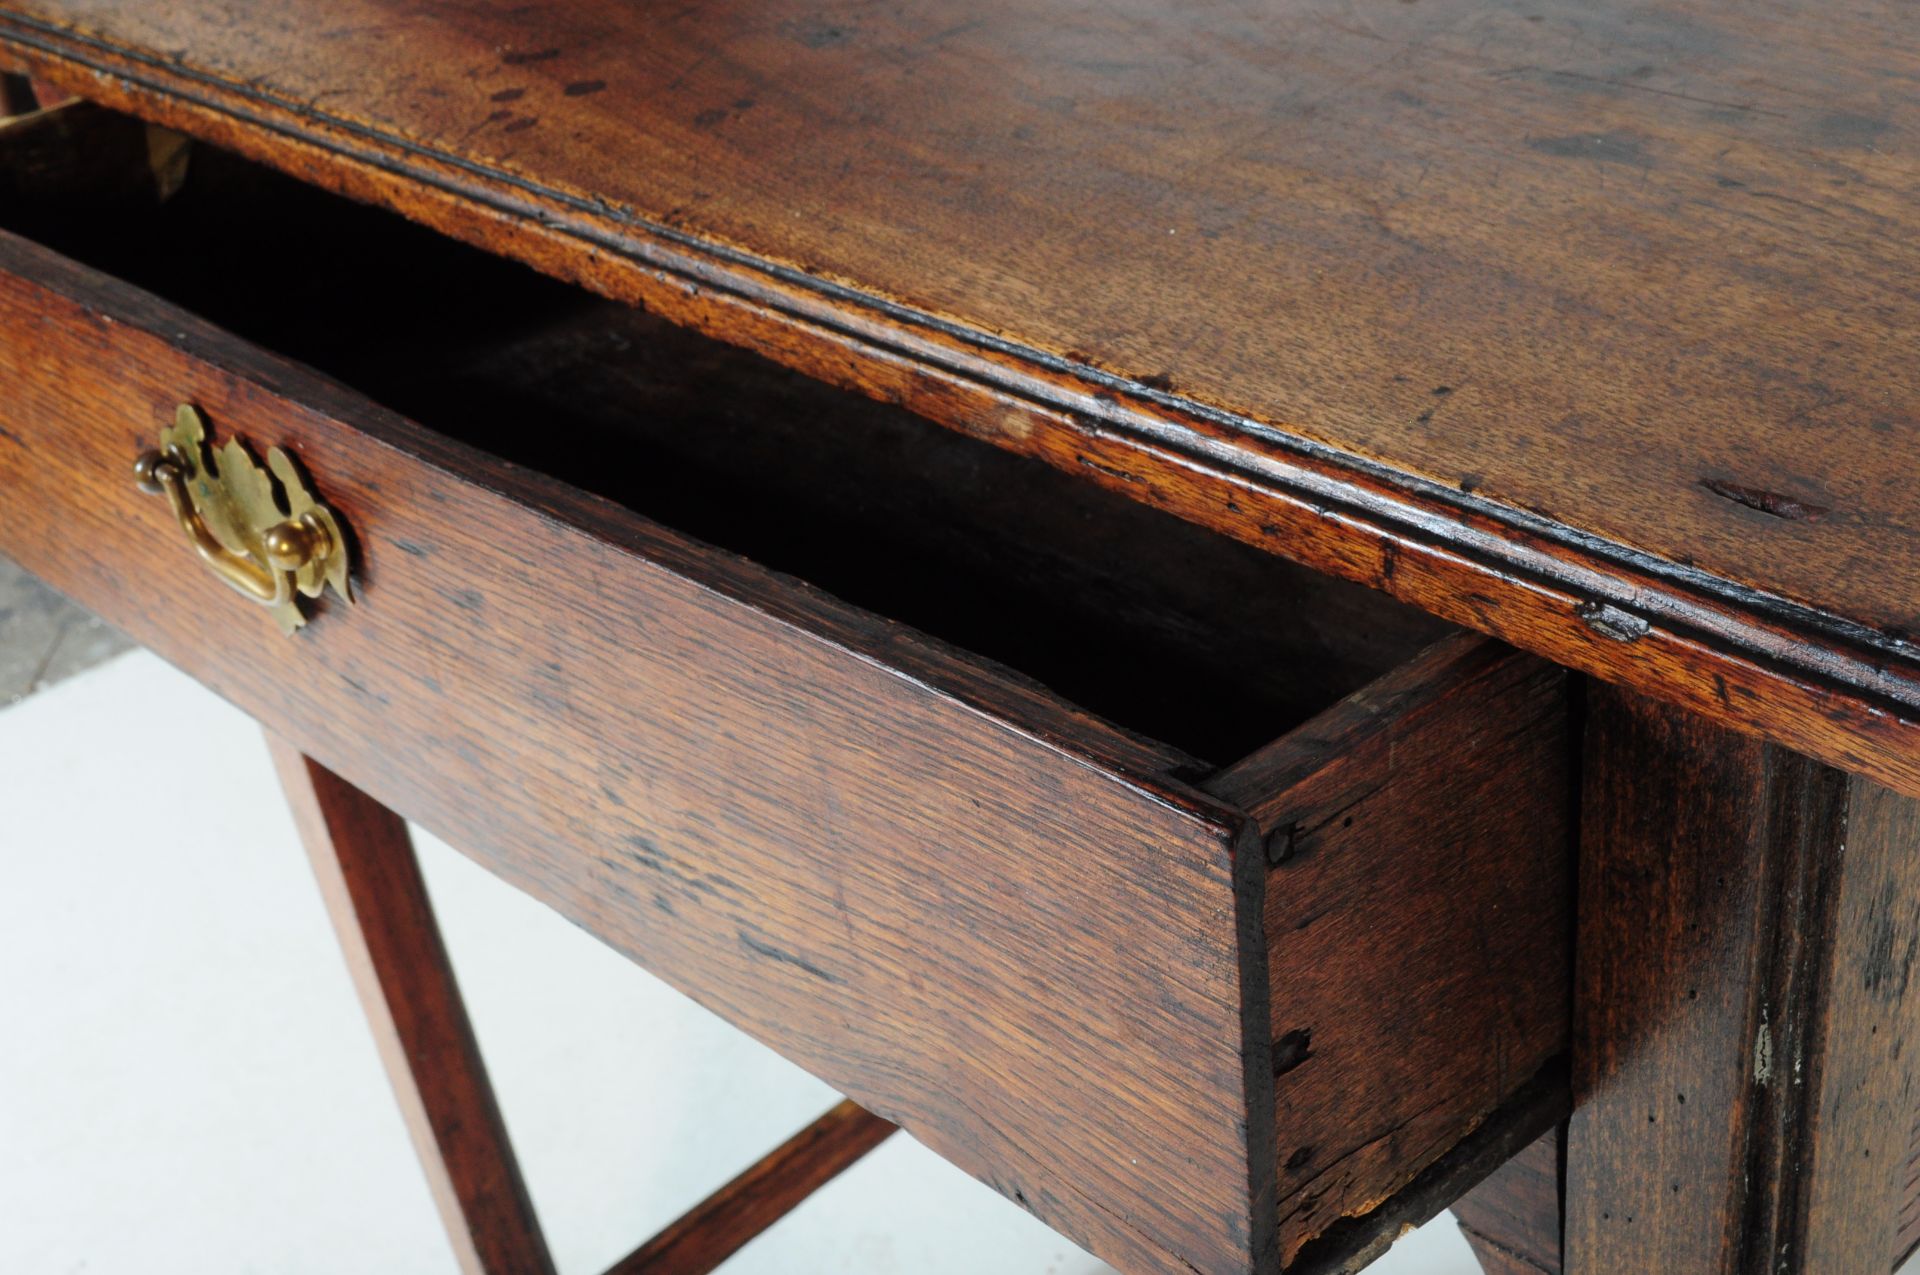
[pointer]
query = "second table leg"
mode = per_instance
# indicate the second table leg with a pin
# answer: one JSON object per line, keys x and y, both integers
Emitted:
{"x": 377, "y": 898}
{"x": 1745, "y": 1015}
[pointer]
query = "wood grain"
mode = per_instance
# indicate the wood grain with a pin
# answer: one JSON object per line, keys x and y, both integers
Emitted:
{"x": 914, "y": 872}
{"x": 1513, "y": 1219}
{"x": 907, "y": 871}
{"x": 723, "y": 1223}
{"x": 1749, "y": 924}
{"x": 1523, "y": 313}
{"x": 1352, "y": 1246}
{"x": 864, "y": 499}
{"x": 378, "y": 901}
{"x": 1907, "y": 1232}
{"x": 1422, "y": 826}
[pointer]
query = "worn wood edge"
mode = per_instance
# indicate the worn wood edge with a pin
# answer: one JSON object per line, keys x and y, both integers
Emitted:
{"x": 1844, "y": 963}
{"x": 1798, "y": 951}
{"x": 1261, "y": 1103}
{"x": 317, "y": 408}
{"x": 583, "y": 215}
{"x": 713, "y": 1230}
{"x": 1262, "y": 783}
{"x": 1463, "y": 674}
{"x": 1012, "y": 700}
{"x": 1837, "y": 690}
{"x": 1513, "y": 1224}
{"x": 1353, "y": 1243}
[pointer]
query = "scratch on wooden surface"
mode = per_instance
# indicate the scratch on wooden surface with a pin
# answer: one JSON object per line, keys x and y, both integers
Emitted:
{"x": 1773, "y": 503}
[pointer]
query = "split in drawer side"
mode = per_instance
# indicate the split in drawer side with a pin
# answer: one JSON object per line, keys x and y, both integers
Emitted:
{"x": 1418, "y": 918}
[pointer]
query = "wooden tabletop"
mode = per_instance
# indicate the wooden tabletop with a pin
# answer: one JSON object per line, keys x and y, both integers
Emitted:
{"x": 1589, "y": 323}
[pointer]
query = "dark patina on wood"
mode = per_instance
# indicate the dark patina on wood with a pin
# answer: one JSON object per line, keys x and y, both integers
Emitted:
{"x": 1513, "y": 1219}
{"x": 1396, "y": 297}
{"x": 1443, "y": 787}
{"x": 1749, "y": 927}
{"x": 1017, "y": 926}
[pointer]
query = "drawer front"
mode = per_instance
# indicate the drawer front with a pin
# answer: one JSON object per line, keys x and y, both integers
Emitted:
{"x": 962, "y": 903}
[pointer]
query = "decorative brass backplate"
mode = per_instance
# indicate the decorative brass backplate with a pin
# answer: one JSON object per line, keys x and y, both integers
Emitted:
{"x": 271, "y": 540}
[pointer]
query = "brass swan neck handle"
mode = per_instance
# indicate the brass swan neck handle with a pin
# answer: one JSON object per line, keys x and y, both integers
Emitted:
{"x": 289, "y": 546}
{"x": 234, "y": 518}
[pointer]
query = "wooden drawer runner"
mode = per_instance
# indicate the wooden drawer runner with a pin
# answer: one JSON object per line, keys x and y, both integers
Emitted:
{"x": 1191, "y": 1002}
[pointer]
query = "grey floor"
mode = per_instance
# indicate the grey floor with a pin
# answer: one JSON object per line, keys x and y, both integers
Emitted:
{"x": 187, "y": 1084}
{"x": 43, "y": 637}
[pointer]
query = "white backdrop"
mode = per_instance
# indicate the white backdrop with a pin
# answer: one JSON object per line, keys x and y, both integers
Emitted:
{"x": 186, "y": 1083}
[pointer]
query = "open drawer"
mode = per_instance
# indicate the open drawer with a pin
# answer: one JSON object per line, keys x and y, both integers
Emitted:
{"x": 1195, "y": 902}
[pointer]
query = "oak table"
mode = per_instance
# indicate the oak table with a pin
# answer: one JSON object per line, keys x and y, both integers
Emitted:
{"x": 1255, "y": 620}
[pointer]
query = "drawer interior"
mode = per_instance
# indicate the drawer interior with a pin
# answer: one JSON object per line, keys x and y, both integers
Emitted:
{"x": 1164, "y": 629}
{"x": 1262, "y": 967}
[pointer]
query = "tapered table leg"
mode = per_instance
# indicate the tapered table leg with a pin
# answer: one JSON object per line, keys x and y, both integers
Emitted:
{"x": 374, "y": 892}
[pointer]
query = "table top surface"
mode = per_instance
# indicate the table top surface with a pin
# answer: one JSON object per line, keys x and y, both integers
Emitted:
{"x": 1640, "y": 279}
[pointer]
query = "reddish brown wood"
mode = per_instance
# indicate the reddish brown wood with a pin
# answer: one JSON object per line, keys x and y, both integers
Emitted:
{"x": 1744, "y": 1074}
{"x": 864, "y": 499}
{"x": 973, "y": 906}
{"x": 1423, "y": 826}
{"x": 915, "y": 875}
{"x": 1907, "y": 1232}
{"x": 1384, "y": 306}
{"x": 377, "y": 898}
{"x": 1350, "y": 1246}
{"x": 723, "y": 1223}
{"x": 1513, "y": 1219}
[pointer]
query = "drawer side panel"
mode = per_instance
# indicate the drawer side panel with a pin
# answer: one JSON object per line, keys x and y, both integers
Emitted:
{"x": 1423, "y": 827}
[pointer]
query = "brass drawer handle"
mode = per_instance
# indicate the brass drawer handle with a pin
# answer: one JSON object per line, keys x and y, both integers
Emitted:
{"x": 274, "y": 546}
